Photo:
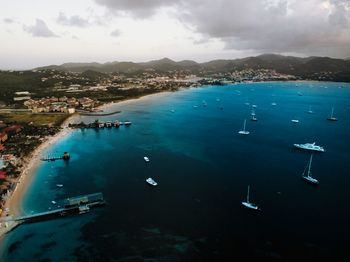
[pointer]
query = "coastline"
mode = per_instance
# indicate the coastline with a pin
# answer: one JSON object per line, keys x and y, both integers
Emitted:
{"x": 31, "y": 163}
{"x": 15, "y": 202}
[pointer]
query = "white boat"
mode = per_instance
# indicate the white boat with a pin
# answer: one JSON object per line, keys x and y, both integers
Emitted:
{"x": 307, "y": 176}
{"x": 127, "y": 123}
{"x": 254, "y": 106}
{"x": 59, "y": 185}
{"x": 146, "y": 158}
{"x": 253, "y": 118}
{"x": 310, "y": 111}
{"x": 331, "y": 117}
{"x": 53, "y": 202}
{"x": 244, "y": 132}
{"x": 249, "y": 204}
{"x": 195, "y": 106}
{"x": 217, "y": 99}
{"x": 151, "y": 182}
{"x": 310, "y": 146}
{"x": 273, "y": 104}
{"x": 295, "y": 120}
{"x": 172, "y": 110}
{"x": 84, "y": 209}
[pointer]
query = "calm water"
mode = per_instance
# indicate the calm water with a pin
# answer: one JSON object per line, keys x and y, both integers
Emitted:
{"x": 203, "y": 168}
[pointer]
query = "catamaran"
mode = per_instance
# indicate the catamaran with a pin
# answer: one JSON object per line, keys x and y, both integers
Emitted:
{"x": 331, "y": 117}
{"x": 310, "y": 146}
{"x": 307, "y": 177}
{"x": 249, "y": 204}
{"x": 244, "y": 132}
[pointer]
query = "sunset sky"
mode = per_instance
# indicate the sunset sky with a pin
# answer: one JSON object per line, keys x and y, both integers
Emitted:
{"x": 38, "y": 32}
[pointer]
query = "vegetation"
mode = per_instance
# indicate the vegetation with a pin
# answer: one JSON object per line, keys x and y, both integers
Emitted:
{"x": 54, "y": 119}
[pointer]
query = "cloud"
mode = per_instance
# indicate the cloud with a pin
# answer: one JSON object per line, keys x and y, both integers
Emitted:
{"x": 74, "y": 20}
{"x": 116, "y": 33}
{"x": 311, "y": 27}
{"x": 137, "y": 8}
{"x": 9, "y": 20}
{"x": 40, "y": 29}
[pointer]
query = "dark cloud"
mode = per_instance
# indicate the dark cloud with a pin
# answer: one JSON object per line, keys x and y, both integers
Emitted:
{"x": 39, "y": 29}
{"x": 116, "y": 33}
{"x": 311, "y": 27}
{"x": 74, "y": 20}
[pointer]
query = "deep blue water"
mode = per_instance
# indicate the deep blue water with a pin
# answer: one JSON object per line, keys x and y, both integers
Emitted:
{"x": 203, "y": 167}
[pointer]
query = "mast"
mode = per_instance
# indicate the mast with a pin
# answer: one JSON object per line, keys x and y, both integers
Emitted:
{"x": 332, "y": 112}
{"x": 308, "y": 172}
{"x": 244, "y": 124}
{"x": 248, "y": 194}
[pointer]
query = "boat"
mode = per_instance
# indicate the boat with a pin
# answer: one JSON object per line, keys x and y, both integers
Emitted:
{"x": 195, "y": 106}
{"x": 127, "y": 123}
{"x": 254, "y": 106}
{"x": 217, "y": 99}
{"x": 249, "y": 204}
{"x": 300, "y": 93}
{"x": 172, "y": 110}
{"x": 151, "y": 182}
{"x": 253, "y": 118}
{"x": 59, "y": 185}
{"x": 146, "y": 159}
{"x": 310, "y": 146}
{"x": 295, "y": 120}
{"x": 273, "y": 104}
{"x": 84, "y": 209}
{"x": 310, "y": 111}
{"x": 331, "y": 117}
{"x": 53, "y": 202}
{"x": 307, "y": 176}
{"x": 244, "y": 132}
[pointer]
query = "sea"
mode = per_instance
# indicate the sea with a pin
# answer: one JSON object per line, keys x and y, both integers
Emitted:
{"x": 203, "y": 168}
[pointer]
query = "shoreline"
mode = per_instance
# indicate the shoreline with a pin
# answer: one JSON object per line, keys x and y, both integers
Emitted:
{"x": 31, "y": 163}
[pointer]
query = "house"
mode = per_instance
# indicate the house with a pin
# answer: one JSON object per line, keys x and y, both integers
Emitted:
{"x": 13, "y": 129}
{"x": 3, "y": 137}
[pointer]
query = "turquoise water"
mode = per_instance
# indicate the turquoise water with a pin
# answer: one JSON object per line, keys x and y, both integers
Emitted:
{"x": 203, "y": 168}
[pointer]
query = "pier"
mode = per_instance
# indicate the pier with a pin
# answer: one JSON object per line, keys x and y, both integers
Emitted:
{"x": 65, "y": 156}
{"x": 72, "y": 206}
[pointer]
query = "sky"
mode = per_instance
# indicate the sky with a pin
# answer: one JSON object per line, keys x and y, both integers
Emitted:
{"x": 40, "y": 32}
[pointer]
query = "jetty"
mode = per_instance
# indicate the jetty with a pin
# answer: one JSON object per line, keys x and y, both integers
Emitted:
{"x": 100, "y": 124}
{"x": 71, "y": 206}
{"x": 65, "y": 156}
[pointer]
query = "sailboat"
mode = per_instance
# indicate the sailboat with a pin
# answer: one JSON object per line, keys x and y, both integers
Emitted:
{"x": 310, "y": 111}
{"x": 307, "y": 176}
{"x": 249, "y": 204}
{"x": 244, "y": 132}
{"x": 331, "y": 117}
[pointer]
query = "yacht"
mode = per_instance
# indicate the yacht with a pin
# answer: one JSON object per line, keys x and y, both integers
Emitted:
{"x": 53, "y": 202}
{"x": 310, "y": 111}
{"x": 59, "y": 185}
{"x": 127, "y": 123}
{"x": 249, "y": 204}
{"x": 244, "y": 132}
{"x": 151, "y": 182}
{"x": 331, "y": 117}
{"x": 84, "y": 209}
{"x": 253, "y": 118}
{"x": 310, "y": 146}
{"x": 273, "y": 104}
{"x": 295, "y": 120}
{"x": 307, "y": 176}
{"x": 146, "y": 159}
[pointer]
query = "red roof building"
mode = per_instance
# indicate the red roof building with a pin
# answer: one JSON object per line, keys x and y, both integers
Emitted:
{"x": 3, "y": 175}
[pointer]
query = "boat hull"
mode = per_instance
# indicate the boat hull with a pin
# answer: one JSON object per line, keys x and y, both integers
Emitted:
{"x": 249, "y": 205}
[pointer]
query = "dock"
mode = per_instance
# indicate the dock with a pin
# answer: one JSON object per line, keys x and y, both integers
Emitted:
{"x": 65, "y": 156}
{"x": 72, "y": 206}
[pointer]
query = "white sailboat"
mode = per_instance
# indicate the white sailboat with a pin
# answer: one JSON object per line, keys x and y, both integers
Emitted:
{"x": 310, "y": 111}
{"x": 307, "y": 176}
{"x": 249, "y": 204}
{"x": 331, "y": 117}
{"x": 244, "y": 132}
